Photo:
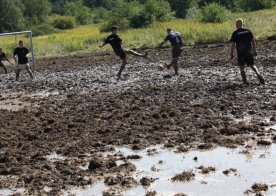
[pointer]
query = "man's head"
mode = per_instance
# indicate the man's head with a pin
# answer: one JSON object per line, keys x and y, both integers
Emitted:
{"x": 169, "y": 30}
{"x": 114, "y": 29}
{"x": 239, "y": 23}
{"x": 21, "y": 43}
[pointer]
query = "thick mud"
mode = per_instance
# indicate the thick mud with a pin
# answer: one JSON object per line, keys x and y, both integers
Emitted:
{"x": 56, "y": 129}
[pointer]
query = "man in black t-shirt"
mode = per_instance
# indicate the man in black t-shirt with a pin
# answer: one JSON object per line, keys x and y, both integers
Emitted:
{"x": 21, "y": 53}
{"x": 245, "y": 42}
{"x": 175, "y": 39}
{"x": 116, "y": 43}
{"x": 2, "y": 58}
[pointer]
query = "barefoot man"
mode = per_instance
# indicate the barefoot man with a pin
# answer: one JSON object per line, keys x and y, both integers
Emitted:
{"x": 245, "y": 42}
{"x": 2, "y": 58}
{"x": 22, "y": 63}
{"x": 176, "y": 41}
{"x": 115, "y": 41}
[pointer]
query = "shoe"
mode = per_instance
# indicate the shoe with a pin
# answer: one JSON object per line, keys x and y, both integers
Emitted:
{"x": 167, "y": 66}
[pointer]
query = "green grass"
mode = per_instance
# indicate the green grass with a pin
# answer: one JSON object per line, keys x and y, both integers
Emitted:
{"x": 87, "y": 38}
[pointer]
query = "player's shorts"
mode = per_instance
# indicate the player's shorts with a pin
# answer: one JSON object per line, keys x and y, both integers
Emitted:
{"x": 22, "y": 66}
{"x": 2, "y": 64}
{"x": 121, "y": 54}
{"x": 246, "y": 58}
{"x": 176, "y": 52}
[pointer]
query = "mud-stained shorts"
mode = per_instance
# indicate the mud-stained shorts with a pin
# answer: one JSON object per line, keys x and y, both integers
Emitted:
{"x": 176, "y": 52}
{"x": 121, "y": 54}
{"x": 246, "y": 58}
{"x": 22, "y": 66}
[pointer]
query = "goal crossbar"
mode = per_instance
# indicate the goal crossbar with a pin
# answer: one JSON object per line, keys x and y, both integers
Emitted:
{"x": 31, "y": 40}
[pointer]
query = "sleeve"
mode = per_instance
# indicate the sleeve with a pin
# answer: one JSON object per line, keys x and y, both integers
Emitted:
{"x": 167, "y": 37}
{"x": 15, "y": 52}
{"x": 106, "y": 41}
{"x": 27, "y": 51}
{"x": 233, "y": 38}
{"x": 119, "y": 39}
{"x": 251, "y": 35}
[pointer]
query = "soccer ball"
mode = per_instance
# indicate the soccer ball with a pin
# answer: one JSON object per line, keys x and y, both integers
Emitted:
{"x": 161, "y": 67}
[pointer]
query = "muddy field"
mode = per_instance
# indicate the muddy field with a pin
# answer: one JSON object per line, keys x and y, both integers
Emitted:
{"x": 77, "y": 110}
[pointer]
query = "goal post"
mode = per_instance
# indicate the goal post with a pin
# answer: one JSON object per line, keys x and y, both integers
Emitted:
{"x": 30, "y": 33}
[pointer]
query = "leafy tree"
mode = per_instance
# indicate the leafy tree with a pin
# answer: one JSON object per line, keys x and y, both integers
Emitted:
{"x": 252, "y": 5}
{"x": 82, "y": 13}
{"x": 11, "y": 15}
{"x": 181, "y": 7}
{"x": 215, "y": 13}
{"x": 37, "y": 11}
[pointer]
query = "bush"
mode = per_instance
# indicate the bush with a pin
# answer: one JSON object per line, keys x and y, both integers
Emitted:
{"x": 135, "y": 15}
{"x": 215, "y": 13}
{"x": 253, "y": 5}
{"x": 43, "y": 29}
{"x": 64, "y": 22}
{"x": 82, "y": 13}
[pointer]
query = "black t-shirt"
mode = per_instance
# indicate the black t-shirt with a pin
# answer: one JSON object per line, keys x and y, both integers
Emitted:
{"x": 115, "y": 41}
{"x": 175, "y": 39}
{"x": 21, "y": 54}
{"x": 243, "y": 38}
{"x": 2, "y": 57}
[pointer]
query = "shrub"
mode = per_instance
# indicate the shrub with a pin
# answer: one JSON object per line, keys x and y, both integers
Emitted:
{"x": 43, "y": 29}
{"x": 82, "y": 13}
{"x": 252, "y": 5}
{"x": 64, "y": 22}
{"x": 214, "y": 13}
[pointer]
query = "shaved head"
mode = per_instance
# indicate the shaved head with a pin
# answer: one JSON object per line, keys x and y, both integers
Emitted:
{"x": 239, "y": 23}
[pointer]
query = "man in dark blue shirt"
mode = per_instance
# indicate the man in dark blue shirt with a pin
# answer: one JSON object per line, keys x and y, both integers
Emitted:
{"x": 21, "y": 53}
{"x": 245, "y": 42}
{"x": 175, "y": 39}
{"x": 116, "y": 43}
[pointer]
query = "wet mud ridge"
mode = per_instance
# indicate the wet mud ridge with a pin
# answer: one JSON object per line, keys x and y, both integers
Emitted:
{"x": 55, "y": 130}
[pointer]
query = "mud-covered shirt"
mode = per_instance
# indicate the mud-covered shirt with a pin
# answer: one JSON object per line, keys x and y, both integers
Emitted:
{"x": 21, "y": 54}
{"x": 3, "y": 57}
{"x": 115, "y": 42}
{"x": 175, "y": 39}
{"x": 243, "y": 38}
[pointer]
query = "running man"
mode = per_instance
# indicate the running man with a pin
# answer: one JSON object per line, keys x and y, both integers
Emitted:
{"x": 245, "y": 43}
{"x": 22, "y": 55}
{"x": 116, "y": 42}
{"x": 176, "y": 41}
{"x": 2, "y": 58}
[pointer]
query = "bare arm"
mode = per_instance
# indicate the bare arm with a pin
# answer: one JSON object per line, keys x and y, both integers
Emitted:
{"x": 162, "y": 43}
{"x": 102, "y": 45}
{"x": 254, "y": 47}
{"x": 232, "y": 50}
{"x": 8, "y": 60}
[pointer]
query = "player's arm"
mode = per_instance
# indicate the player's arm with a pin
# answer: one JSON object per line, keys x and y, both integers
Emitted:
{"x": 232, "y": 50}
{"x": 254, "y": 46}
{"x": 14, "y": 57}
{"x": 8, "y": 60}
{"x": 102, "y": 44}
{"x": 162, "y": 43}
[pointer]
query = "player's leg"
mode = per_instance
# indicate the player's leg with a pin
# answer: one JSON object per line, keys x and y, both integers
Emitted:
{"x": 243, "y": 75}
{"x": 176, "y": 54}
{"x": 4, "y": 67}
{"x": 30, "y": 72}
{"x": 175, "y": 66}
{"x": 251, "y": 63}
{"x": 124, "y": 62}
{"x": 17, "y": 73}
{"x": 136, "y": 53}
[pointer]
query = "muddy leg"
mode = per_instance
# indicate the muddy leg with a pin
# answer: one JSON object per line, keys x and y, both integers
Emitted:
{"x": 243, "y": 74}
{"x": 255, "y": 69}
{"x": 17, "y": 74}
{"x": 124, "y": 62}
{"x": 30, "y": 73}
{"x": 175, "y": 60}
{"x": 5, "y": 69}
{"x": 136, "y": 53}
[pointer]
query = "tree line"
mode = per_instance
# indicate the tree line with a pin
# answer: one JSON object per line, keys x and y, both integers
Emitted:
{"x": 48, "y": 16}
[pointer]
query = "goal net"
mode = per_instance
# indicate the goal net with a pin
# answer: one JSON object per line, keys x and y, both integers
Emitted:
{"x": 9, "y": 41}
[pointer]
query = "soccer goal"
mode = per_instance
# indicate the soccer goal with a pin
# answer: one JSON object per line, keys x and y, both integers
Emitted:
{"x": 9, "y": 41}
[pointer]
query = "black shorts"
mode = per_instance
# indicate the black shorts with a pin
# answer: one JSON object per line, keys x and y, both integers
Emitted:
{"x": 176, "y": 52}
{"x": 246, "y": 58}
{"x": 121, "y": 54}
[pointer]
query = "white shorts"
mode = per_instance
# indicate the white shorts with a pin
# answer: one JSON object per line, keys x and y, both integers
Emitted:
{"x": 22, "y": 66}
